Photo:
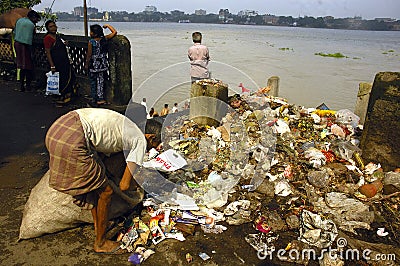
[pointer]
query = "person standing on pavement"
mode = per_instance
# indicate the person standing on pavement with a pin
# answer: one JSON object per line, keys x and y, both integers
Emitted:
{"x": 199, "y": 57}
{"x": 97, "y": 61}
{"x": 23, "y": 35}
{"x": 57, "y": 56}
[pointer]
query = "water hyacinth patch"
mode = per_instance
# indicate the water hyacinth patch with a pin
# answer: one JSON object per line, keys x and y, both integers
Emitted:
{"x": 335, "y": 55}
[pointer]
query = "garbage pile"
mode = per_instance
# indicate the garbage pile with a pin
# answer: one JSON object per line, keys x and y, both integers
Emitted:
{"x": 276, "y": 165}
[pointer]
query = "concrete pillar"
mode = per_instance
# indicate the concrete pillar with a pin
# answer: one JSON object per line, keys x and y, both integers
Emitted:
{"x": 119, "y": 53}
{"x": 380, "y": 138}
{"x": 364, "y": 90}
{"x": 273, "y": 83}
{"x": 208, "y": 102}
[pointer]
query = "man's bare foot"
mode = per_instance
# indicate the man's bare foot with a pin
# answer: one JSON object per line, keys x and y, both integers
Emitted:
{"x": 110, "y": 225}
{"x": 109, "y": 247}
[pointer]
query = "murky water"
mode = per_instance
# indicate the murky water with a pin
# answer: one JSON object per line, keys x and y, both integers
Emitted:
{"x": 252, "y": 54}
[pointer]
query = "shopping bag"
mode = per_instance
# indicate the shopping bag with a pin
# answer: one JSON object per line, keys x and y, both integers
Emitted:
{"x": 53, "y": 82}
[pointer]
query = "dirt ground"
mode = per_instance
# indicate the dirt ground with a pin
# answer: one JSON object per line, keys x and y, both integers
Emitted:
{"x": 25, "y": 119}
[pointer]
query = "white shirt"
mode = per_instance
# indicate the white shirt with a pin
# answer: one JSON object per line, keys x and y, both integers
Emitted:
{"x": 110, "y": 132}
{"x": 145, "y": 105}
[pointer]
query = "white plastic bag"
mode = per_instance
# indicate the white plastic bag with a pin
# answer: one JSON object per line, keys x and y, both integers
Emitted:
{"x": 53, "y": 83}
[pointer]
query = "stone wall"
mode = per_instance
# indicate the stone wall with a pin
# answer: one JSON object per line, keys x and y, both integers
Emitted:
{"x": 380, "y": 142}
{"x": 364, "y": 90}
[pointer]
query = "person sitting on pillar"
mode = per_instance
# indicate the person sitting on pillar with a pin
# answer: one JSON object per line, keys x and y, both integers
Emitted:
{"x": 199, "y": 57}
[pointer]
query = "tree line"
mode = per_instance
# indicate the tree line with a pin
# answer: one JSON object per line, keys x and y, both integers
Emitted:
{"x": 175, "y": 16}
{"x": 308, "y": 22}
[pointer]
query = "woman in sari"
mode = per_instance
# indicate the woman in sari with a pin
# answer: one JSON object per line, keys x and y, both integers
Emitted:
{"x": 57, "y": 56}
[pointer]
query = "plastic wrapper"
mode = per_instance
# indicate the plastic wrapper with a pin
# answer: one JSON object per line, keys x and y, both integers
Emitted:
{"x": 347, "y": 117}
{"x": 319, "y": 179}
{"x": 140, "y": 255}
{"x": 345, "y": 150}
{"x": 282, "y": 188}
{"x": 263, "y": 243}
{"x": 392, "y": 178}
{"x": 315, "y": 231}
{"x": 315, "y": 157}
{"x": 347, "y": 213}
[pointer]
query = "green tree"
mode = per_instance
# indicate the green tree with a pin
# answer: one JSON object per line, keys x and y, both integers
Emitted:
{"x": 6, "y": 5}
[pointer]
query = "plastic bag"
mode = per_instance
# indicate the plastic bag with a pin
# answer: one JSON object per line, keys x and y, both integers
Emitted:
{"x": 315, "y": 157}
{"x": 346, "y": 117}
{"x": 53, "y": 83}
{"x": 316, "y": 231}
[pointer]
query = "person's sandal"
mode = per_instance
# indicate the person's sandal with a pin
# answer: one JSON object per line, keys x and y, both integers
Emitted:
{"x": 64, "y": 100}
{"x": 102, "y": 103}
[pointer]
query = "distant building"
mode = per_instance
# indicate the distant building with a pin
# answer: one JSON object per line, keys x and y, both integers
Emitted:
{"x": 387, "y": 20}
{"x": 223, "y": 14}
{"x": 328, "y": 18}
{"x": 121, "y": 13}
{"x": 200, "y": 12}
{"x": 47, "y": 10}
{"x": 177, "y": 13}
{"x": 354, "y": 23}
{"x": 78, "y": 11}
{"x": 271, "y": 19}
{"x": 106, "y": 16}
{"x": 247, "y": 13}
{"x": 150, "y": 9}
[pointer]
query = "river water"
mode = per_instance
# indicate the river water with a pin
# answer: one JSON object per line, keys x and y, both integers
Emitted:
{"x": 251, "y": 54}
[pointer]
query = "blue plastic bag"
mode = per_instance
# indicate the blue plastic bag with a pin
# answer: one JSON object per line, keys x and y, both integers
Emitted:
{"x": 53, "y": 83}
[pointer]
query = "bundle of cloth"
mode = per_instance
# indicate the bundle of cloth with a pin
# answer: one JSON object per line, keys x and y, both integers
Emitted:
{"x": 8, "y": 19}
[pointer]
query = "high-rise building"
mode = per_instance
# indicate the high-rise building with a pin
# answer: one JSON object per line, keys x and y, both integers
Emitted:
{"x": 200, "y": 12}
{"x": 47, "y": 10}
{"x": 247, "y": 13}
{"x": 150, "y": 9}
{"x": 223, "y": 14}
{"x": 78, "y": 11}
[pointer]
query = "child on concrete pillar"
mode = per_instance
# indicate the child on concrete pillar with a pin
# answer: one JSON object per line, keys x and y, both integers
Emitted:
{"x": 97, "y": 62}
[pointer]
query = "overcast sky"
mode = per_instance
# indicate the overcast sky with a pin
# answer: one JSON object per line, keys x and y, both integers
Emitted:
{"x": 368, "y": 9}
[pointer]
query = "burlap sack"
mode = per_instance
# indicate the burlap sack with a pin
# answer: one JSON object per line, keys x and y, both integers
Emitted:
{"x": 48, "y": 210}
